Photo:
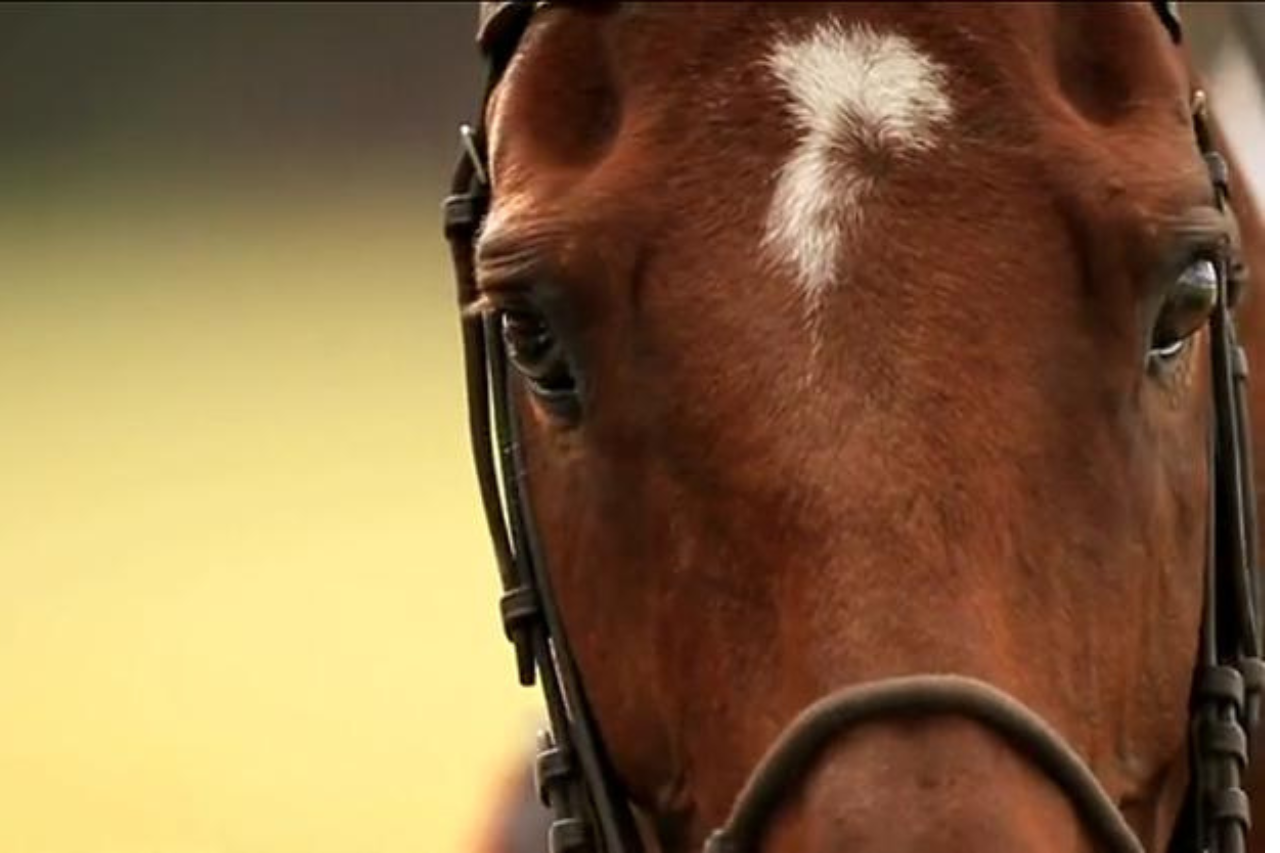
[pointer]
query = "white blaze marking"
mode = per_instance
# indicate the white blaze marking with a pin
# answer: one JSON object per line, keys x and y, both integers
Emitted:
{"x": 848, "y": 88}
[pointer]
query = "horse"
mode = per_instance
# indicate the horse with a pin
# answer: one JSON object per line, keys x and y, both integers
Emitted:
{"x": 859, "y": 405}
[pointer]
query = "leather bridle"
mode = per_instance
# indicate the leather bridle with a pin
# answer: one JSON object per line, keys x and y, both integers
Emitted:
{"x": 572, "y": 772}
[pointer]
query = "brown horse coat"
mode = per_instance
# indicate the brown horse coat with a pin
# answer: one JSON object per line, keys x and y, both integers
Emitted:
{"x": 864, "y": 352}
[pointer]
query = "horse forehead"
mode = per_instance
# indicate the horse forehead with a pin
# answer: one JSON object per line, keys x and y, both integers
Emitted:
{"x": 861, "y": 101}
{"x": 838, "y": 73}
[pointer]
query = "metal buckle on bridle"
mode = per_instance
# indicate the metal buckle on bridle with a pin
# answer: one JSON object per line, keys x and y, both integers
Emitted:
{"x": 465, "y": 207}
{"x": 467, "y": 137}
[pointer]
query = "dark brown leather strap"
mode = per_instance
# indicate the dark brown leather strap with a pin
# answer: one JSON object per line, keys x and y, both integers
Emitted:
{"x": 503, "y": 22}
{"x": 1167, "y": 11}
{"x": 912, "y": 697}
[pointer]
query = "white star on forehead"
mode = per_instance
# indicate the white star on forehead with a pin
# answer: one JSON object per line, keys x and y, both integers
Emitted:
{"x": 848, "y": 87}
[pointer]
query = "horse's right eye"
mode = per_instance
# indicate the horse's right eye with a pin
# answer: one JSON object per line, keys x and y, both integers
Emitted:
{"x": 537, "y": 355}
{"x": 1186, "y": 308}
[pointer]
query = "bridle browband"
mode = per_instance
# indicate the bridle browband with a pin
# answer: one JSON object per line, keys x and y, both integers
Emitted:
{"x": 574, "y": 778}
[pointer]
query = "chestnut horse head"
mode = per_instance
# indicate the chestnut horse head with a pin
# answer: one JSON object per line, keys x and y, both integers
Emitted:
{"x": 879, "y": 356}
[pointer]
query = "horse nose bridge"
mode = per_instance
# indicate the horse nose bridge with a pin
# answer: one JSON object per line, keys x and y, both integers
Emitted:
{"x": 926, "y": 784}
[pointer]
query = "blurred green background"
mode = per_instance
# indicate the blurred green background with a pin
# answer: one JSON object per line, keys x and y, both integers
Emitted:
{"x": 246, "y": 603}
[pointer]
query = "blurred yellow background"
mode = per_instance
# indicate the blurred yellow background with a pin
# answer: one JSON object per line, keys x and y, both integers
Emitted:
{"x": 246, "y": 598}
{"x": 246, "y": 601}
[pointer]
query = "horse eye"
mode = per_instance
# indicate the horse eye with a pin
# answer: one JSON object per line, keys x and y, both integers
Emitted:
{"x": 537, "y": 355}
{"x": 1186, "y": 308}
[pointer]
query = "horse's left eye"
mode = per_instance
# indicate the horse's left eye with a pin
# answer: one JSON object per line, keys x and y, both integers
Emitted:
{"x": 1186, "y": 308}
{"x": 537, "y": 355}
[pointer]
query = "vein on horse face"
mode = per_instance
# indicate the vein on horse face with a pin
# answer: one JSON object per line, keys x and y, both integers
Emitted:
{"x": 860, "y": 99}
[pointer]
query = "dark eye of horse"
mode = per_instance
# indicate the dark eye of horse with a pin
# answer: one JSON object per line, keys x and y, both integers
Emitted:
{"x": 536, "y": 354}
{"x": 1186, "y": 308}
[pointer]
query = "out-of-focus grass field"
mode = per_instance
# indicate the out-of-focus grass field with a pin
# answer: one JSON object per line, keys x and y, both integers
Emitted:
{"x": 245, "y": 595}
